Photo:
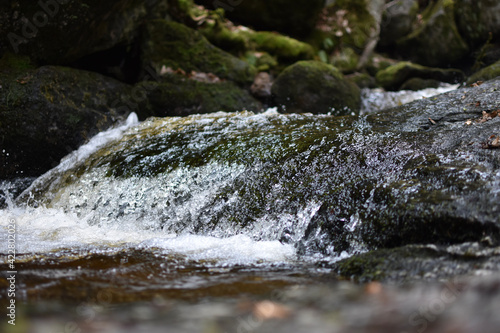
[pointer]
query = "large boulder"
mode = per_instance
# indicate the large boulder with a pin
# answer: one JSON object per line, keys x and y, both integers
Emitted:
{"x": 315, "y": 87}
{"x": 46, "y": 113}
{"x": 435, "y": 40}
{"x": 169, "y": 44}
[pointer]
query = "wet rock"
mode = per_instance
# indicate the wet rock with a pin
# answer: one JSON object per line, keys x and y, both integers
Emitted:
{"x": 435, "y": 41}
{"x": 393, "y": 77}
{"x": 47, "y": 112}
{"x": 315, "y": 87}
{"x": 174, "y": 45}
{"x": 420, "y": 263}
{"x": 485, "y": 74}
{"x": 278, "y": 15}
{"x": 59, "y": 32}
{"x": 414, "y": 175}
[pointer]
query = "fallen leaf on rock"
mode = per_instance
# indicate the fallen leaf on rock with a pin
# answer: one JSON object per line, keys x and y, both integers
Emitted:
{"x": 492, "y": 142}
{"x": 270, "y": 310}
{"x": 488, "y": 116}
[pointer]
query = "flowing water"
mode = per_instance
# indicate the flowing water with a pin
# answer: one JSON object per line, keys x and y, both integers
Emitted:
{"x": 195, "y": 217}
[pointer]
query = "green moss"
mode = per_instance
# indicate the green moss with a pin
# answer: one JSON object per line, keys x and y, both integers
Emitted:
{"x": 394, "y": 76}
{"x": 174, "y": 45}
{"x": 485, "y": 74}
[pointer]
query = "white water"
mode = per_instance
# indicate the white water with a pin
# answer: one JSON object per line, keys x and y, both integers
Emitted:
{"x": 45, "y": 231}
{"x": 373, "y": 100}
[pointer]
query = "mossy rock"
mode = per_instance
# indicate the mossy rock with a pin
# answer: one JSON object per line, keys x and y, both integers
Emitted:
{"x": 47, "y": 112}
{"x": 486, "y": 73}
{"x": 393, "y": 77}
{"x": 413, "y": 263}
{"x": 416, "y": 83}
{"x": 174, "y": 45}
{"x": 435, "y": 41}
{"x": 325, "y": 184}
{"x": 240, "y": 41}
{"x": 349, "y": 23}
{"x": 177, "y": 96}
{"x": 315, "y": 87}
{"x": 346, "y": 60}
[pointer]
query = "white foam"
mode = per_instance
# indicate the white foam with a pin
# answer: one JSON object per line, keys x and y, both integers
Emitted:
{"x": 373, "y": 100}
{"x": 43, "y": 231}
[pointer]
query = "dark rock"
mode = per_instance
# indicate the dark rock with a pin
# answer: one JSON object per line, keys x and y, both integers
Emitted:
{"x": 417, "y": 83}
{"x": 174, "y": 45}
{"x": 416, "y": 175}
{"x": 315, "y": 87}
{"x": 59, "y": 32}
{"x": 177, "y": 96}
{"x": 412, "y": 263}
{"x": 393, "y": 77}
{"x": 46, "y": 113}
{"x": 397, "y": 20}
{"x": 435, "y": 41}
{"x": 476, "y": 19}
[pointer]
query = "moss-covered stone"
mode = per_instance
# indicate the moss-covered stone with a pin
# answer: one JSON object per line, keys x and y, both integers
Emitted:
{"x": 435, "y": 41}
{"x": 47, "y": 112}
{"x": 325, "y": 184}
{"x": 346, "y": 60}
{"x": 418, "y": 263}
{"x": 349, "y": 23}
{"x": 242, "y": 41}
{"x": 315, "y": 87}
{"x": 485, "y": 74}
{"x": 176, "y": 96}
{"x": 174, "y": 45}
{"x": 394, "y": 76}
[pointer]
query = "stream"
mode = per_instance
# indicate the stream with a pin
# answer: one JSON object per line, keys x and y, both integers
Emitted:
{"x": 212, "y": 223}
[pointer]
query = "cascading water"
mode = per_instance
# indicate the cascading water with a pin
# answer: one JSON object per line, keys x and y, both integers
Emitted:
{"x": 224, "y": 191}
